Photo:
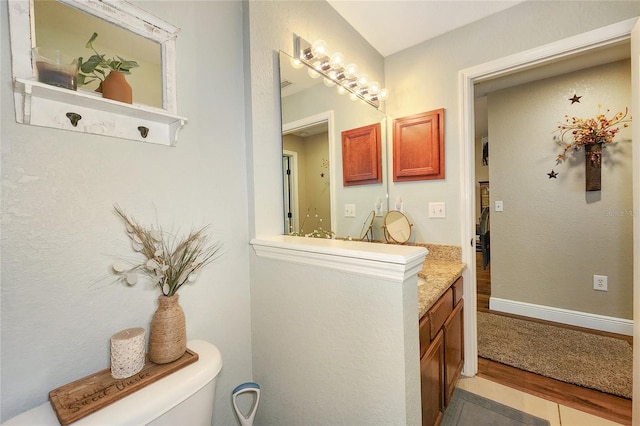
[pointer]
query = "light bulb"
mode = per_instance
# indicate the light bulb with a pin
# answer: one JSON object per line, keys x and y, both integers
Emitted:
{"x": 296, "y": 63}
{"x": 362, "y": 80}
{"x": 319, "y": 48}
{"x": 353, "y": 96}
{"x": 313, "y": 73}
{"x": 374, "y": 87}
{"x": 350, "y": 71}
{"x": 383, "y": 94}
{"x": 337, "y": 60}
{"x": 328, "y": 82}
{"x": 341, "y": 90}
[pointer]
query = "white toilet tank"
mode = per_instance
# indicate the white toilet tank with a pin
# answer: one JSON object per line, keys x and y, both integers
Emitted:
{"x": 184, "y": 397}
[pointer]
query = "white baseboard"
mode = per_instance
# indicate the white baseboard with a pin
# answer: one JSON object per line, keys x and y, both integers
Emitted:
{"x": 564, "y": 316}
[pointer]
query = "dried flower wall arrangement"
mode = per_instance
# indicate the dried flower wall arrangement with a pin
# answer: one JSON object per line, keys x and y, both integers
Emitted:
{"x": 168, "y": 261}
{"x": 588, "y": 131}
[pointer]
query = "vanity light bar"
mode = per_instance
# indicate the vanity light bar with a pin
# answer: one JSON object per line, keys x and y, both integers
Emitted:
{"x": 333, "y": 68}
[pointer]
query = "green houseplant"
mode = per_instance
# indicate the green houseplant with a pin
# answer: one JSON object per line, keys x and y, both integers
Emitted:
{"x": 112, "y": 85}
{"x": 97, "y": 65}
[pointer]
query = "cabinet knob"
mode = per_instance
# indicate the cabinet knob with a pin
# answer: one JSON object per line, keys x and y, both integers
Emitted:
{"x": 73, "y": 118}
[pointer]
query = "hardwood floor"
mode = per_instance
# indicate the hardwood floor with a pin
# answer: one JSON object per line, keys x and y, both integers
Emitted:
{"x": 601, "y": 404}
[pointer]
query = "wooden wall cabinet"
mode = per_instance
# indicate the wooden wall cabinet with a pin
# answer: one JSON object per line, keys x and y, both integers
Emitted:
{"x": 441, "y": 353}
{"x": 418, "y": 147}
{"x": 362, "y": 155}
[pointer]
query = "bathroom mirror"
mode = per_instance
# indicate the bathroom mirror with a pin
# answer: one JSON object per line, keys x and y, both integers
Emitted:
{"x": 147, "y": 39}
{"x": 313, "y": 119}
{"x": 397, "y": 228}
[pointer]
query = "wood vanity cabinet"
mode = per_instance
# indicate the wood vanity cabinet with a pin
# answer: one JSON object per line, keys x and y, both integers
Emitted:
{"x": 441, "y": 352}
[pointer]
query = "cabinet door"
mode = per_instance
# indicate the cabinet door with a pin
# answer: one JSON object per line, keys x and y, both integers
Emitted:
{"x": 362, "y": 156}
{"x": 418, "y": 147}
{"x": 454, "y": 349}
{"x": 432, "y": 382}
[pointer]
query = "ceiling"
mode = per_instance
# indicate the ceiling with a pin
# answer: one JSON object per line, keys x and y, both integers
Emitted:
{"x": 391, "y": 26}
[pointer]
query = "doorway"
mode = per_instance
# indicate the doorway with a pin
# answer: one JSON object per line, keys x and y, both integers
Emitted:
{"x": 607, "y": 36}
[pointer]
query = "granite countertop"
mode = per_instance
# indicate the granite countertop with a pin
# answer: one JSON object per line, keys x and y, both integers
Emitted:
{"x": 442, "y": 266}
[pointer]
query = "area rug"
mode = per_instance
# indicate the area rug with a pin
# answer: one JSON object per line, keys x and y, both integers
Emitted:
{"x": 596, "y": 362}
{"x": 468, "y": 409}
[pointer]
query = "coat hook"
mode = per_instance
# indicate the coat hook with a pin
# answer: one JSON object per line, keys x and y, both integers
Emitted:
{"x": 144, "y": 131}
{"x": 74, "y": 118}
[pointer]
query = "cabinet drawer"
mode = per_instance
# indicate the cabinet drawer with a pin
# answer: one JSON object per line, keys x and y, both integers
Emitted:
{"x": 457, "y": 291}
{"x": 440, "y": 311}
{"x": 425, "y": 334}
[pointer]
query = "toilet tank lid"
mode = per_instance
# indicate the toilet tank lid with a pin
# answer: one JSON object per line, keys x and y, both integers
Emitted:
{"x": 150, "y": 402}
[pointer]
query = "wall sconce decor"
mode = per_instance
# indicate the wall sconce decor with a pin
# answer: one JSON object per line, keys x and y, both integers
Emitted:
{"x": 336, "y": 71}
{"x": 592, "y": 133}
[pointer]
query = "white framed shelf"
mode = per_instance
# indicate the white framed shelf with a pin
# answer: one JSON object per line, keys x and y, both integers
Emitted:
{"x": 44, "y": 105}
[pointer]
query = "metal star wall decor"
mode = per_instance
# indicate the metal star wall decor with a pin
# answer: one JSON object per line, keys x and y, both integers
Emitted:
{"x": 552, "y": 174}
{"x": 575, "y": 99}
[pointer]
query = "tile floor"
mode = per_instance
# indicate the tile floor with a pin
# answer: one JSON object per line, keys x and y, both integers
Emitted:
{"x": 558, "y": 415}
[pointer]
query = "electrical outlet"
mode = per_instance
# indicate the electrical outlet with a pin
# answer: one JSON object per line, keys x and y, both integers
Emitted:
{"x": 377, "y": 207}
{"x": 349, "y": 210}
{"x": 437, "y": 210}
{"x": 600, "y": 282}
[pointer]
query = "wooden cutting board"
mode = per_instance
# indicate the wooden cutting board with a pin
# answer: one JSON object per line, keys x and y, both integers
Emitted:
{"x": 82, "y": 397}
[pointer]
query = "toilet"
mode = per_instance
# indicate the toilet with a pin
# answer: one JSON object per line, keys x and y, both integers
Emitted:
{"x": 184, "y": 397}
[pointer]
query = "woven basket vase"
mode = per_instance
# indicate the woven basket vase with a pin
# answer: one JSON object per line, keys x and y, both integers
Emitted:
{"x": 168, "y": 334}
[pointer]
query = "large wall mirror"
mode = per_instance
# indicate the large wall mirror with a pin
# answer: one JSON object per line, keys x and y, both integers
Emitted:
{"x": 68, "y": 24}
{"x": 314, "y": 115}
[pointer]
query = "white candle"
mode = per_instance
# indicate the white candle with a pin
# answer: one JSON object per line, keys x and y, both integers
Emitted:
{"x": 127, "y": 352}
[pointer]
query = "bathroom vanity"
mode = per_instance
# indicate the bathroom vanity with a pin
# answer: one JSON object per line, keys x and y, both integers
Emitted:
{"x": 440, "y": 305}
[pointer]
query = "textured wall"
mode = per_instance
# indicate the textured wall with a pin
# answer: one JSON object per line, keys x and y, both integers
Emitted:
{"x": 59, "y": 233}
{"x": 329, "y": 347}
{"x": 425, "y": 77}
{"x": 553, "y": 236}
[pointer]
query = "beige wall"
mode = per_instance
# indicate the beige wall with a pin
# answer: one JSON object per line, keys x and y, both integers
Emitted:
{"x": 425, "y": 77}
{"x": 553, "y": 236}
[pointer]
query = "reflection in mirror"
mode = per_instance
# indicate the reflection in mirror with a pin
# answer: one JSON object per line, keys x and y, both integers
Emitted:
{"x": 367, "y": 227}
{"x": 397, "y": 228}
{"x": 60, "y": 26}
{"x": 315, "y": 183}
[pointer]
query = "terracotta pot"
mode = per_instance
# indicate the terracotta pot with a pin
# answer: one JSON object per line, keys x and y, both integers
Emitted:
{"x": 593, "y": 166}
{"x": 168, "y": 334}
{"x": 115, "y": 87}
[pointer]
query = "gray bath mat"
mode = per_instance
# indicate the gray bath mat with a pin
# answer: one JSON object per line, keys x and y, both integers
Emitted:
{"x": 468, "y": 409}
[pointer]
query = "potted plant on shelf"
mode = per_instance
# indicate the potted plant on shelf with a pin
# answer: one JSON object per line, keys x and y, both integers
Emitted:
{"x": 112, "y": 85}
{"x": 170, "y": 263}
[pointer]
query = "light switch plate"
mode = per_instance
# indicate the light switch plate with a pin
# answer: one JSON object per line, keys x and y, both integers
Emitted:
{"x": 349, "y": 210}
{"x": 437, "y": 210}
{"x": 499, "y": 206}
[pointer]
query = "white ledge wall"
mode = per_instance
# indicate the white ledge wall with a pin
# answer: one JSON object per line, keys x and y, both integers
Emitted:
{"x": 335, "y": 331}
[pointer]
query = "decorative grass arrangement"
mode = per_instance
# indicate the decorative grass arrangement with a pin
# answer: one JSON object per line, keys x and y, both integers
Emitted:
{"x": 169, "y": 262}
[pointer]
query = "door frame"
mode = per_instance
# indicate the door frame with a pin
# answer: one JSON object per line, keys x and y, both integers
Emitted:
{"x": 325, "y": 116}
{"x": 293, "y": 189}
{"x": 548, "y": 53}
